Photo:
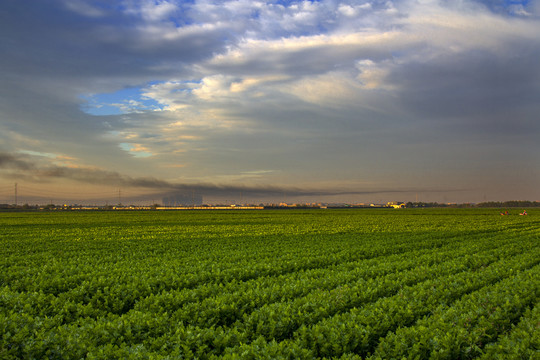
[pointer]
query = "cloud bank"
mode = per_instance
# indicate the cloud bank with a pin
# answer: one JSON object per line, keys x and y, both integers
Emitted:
{"x": 22, "y": 166}
{"x": 412, "y": 94}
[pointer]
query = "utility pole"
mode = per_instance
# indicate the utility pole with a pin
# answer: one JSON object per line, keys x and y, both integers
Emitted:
{"x": 15, "y": 194}
{"x": 119, "y": 196}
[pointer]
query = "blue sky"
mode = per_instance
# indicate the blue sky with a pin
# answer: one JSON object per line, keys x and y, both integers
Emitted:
{"x": 124, "y": 101}
{"x": 357, "y": 101}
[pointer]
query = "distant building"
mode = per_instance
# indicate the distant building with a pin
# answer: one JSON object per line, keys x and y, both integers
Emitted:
{"x": 182, "y": 200}
{"x": 396, "y": 204}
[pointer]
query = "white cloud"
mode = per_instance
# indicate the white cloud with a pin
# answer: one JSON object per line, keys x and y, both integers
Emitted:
{"x": 52, "y": 158}
{"x": 455, "y": 29}
{"x": 157, "y": 10}
{"x": 150, "y": 10}
{"x": 310, "y": 51}
{"x": 333, "y": 90}
{"x": 84, "y": 8}
{"x": 251, "y": 82}
{"x": 129, "y": 106}
{"x": 519, "y": 10}
{"x": 373, "y": 75}
{"x": 160, "y": 33}
{"x": 352, "y": 11}
{"x": 137, "y": 150}
{"x": 371, "y": 60}
{"x": 172, "y": 95}
{"x": 213, "y": 88}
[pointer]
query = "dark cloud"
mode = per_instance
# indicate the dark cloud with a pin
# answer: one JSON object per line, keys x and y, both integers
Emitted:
{"x": 476, "y": 94}
{"x": 27, "y": 168}
{"x": 43, "y": 38}
{"x": 9, "y": 161}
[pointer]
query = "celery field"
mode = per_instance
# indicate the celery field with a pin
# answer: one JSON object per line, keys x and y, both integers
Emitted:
{"x": 270, "y": 284}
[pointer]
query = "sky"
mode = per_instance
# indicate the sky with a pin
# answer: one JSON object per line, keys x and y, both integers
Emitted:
{"x": 269, "y": 101}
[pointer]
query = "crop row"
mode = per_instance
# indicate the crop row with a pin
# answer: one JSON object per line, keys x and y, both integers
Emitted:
{"x": 86, "y": 285}
{"x": 89, "y": 260}
{"x": 90, "y": 300}
{"x": 522, "y": 342}
{"x": 462, "y": 330}
{"x": 299, "y": 284}
{"x": 312, "y": 322}
{"x": 358, "y": 330}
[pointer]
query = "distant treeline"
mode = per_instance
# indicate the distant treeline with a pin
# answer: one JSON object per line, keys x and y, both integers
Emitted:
{"x": 515, "y": 203}
{"x": 503, "y": 204}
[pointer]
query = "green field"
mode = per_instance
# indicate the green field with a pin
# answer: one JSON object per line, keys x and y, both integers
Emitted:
{"x": 289, "y": 284}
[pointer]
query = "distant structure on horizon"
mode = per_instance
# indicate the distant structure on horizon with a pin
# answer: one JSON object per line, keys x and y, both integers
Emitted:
{"x": 182, "y": 200}
{"x": 396, "y": 204}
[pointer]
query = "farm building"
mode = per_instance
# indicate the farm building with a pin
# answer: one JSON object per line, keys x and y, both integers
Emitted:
{"x": 396, "y": 204}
